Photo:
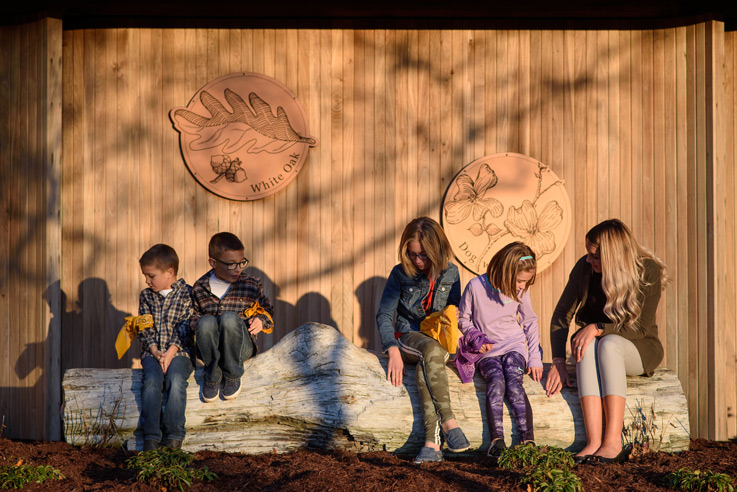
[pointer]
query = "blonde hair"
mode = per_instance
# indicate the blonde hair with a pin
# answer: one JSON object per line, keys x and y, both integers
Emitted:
{"x": 430, "y": 235}
{"x": 622, "y": 271}
{"x": 509, "y": 262}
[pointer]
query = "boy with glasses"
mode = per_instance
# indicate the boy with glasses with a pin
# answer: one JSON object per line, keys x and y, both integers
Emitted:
{"x": 229, "y": 310}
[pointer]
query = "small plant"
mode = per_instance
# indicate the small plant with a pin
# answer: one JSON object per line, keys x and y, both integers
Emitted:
{"x": 696, "y": 480}
{"x": 165, "y": 467}
{"x": 551, "y": 480}
{"x": 529, "y": 455}
{"x": 18, "y": 475}
{"x": 100, "y": 430}
{"x": 552, "y": 467}
{"x": 642, "y": 434}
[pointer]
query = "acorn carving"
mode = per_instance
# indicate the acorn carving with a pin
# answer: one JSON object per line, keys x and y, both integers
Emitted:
{"x": 226, "y": 168}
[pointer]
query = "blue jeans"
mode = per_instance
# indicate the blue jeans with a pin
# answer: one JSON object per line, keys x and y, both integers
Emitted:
{"x": 223, "y": 344}
{"x": 156, "y": 384}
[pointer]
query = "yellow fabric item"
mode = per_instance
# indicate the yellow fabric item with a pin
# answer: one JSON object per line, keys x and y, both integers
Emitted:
{"x": 131, "y": 327}
{"x": 257, "y": 309}
{"x": 443, "y": 327}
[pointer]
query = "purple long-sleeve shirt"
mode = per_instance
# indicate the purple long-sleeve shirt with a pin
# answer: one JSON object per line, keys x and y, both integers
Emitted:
{"x": 511, "y": 324}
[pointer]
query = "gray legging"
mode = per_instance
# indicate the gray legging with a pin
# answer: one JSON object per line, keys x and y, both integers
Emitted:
{"x": 605, "y": 365}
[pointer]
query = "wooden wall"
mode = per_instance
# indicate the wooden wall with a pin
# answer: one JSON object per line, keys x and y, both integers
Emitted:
{"x": 725, "y": 270}
{"x": 30, "y": 230}
{"x": 639, "y": 123}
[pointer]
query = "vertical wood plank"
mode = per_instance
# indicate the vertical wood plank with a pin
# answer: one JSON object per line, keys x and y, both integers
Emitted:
{"x": 50, "y": 395}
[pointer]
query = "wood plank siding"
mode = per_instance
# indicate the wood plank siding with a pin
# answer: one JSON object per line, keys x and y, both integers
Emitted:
{"x": 639, "y": 123}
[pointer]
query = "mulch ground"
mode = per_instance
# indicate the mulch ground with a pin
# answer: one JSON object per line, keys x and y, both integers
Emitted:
{"x": 104, "y": 469}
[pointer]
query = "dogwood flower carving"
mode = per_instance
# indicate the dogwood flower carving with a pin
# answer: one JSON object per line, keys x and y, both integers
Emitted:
{"x": 471, "y": 197}
{"x": 535, "y": 230}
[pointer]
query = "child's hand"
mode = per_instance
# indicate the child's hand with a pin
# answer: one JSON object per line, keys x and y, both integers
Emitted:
{"x": 536, "y": 373}
{"x": 167, "y": 357}
{"x": 255, "y": 325}
{"x": 395, "y": 369}
{"x": 485, "y": 348}
{"x": 158, "y": 354}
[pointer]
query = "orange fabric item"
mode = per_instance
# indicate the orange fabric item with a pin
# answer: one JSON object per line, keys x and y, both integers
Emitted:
{"x": 131, "y": 327}
{"x": 257, "y": 309}
{"x": 443, "y": 327}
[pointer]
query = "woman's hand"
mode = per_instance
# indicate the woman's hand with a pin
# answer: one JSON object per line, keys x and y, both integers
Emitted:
{"x": 536, "y": 373}
{"x": 485, "y": 348}
{"x": 395, "y": 369}
{"x": 557, "y": 377}
{"x": 582, "y": 339}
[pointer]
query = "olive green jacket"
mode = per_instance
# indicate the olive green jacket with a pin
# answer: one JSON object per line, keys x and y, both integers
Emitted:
{"x": 644, "y": 333}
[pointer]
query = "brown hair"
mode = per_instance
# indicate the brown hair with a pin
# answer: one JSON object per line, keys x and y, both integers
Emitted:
{"x": 162, "y": 256}
{"x": 430, "y": 235}
{"x": 622, "y": 272}
{"x": 224, "y": 241}
{"x": 507, "y": 263}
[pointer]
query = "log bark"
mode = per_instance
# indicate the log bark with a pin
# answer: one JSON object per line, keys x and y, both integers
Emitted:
{"x": 316, "y": 389}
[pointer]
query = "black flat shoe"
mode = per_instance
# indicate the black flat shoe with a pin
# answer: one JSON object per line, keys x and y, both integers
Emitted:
{"x": 580, "y": 460}
{"x": 620, "y": 458}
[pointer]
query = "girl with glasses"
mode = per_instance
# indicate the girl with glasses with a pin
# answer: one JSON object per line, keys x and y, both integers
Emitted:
{"x": 422, "y": 283}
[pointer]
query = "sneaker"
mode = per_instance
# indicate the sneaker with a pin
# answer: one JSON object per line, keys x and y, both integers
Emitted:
{"x": 428, "y": 455}
{"x": 496, "y": 448}
{"x": 456, "y": 440}
{"x": 231, "y": 388}
{"x": 150, "y": 444}
{"x": 210, "y": 391}
{"x": 173, "y": 443}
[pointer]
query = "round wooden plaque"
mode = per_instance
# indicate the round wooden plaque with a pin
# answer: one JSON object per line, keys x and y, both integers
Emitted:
{"x": 244, "y": 136}
{"x": 503, "y": 198}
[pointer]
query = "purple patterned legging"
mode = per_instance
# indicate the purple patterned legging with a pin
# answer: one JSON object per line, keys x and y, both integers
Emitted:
{"x": 503, "y": 375}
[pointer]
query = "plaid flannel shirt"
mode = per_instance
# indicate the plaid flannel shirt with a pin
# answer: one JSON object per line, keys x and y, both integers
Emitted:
{"x": 240, "y": 296}
{"x": 171, "y": 320}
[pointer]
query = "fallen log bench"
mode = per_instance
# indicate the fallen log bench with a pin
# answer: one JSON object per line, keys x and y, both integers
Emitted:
{"x": 316, "y": 389}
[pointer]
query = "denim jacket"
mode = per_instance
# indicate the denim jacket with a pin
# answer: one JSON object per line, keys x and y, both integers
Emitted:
{"x": 403, "y": 295}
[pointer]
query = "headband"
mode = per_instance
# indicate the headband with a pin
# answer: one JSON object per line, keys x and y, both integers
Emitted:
{"x": 525, "y": 258}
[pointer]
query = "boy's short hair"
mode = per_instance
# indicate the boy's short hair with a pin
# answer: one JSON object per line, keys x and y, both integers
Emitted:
{"x": 224, "y": 241}
{"x": 162, "y": 256}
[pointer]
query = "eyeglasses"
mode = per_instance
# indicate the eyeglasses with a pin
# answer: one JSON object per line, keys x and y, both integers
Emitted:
{"x": 232, "y": 266}
{"x": 413, "y": 256}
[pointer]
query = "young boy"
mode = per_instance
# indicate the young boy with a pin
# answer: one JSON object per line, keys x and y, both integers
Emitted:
{"x": 166, "y": 348}
{"x": 224, "y": 334}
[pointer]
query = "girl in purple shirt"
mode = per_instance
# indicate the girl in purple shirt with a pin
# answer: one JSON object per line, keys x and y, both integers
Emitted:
{"x": 501, "y": 338}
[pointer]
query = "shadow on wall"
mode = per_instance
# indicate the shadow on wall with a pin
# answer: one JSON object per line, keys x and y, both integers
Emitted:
{"x": 85, "y": 337}
{"x": 311, "y": 307}
{"x": 88, "y": 332}
{"x": 369, "y": 295}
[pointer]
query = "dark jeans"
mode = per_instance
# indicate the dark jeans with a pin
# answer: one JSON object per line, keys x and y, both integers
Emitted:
{"x": 503, "y": 375}
{"x": 156, "y": 384}
{"x": 223, "y": 344}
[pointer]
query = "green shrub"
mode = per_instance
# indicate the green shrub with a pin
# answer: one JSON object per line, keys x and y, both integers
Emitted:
{"x": 529, "y": 455}
{"x": 696, "y": 480}
{"x": 552, "y": 467}
{"x": 165, "y": 467}
{"x": 17, "y": 476}
{"x": 551, "y": 480}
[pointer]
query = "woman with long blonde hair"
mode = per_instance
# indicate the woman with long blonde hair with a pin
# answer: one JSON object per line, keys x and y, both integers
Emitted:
{"x": 613, "y": 291}
{"x": 423, "y": 283}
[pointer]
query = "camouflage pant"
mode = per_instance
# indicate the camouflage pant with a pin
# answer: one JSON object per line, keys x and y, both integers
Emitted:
{"x": 432, "y": 380}
{"x": 503, "y": 375}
